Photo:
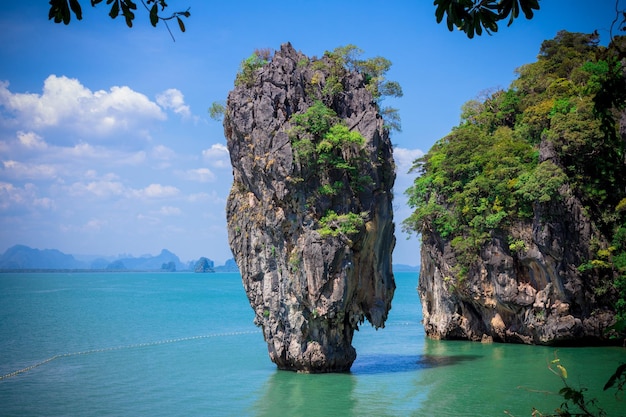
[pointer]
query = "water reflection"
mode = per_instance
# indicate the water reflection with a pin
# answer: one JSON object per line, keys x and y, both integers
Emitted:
{"x": 291, "y": 394}
{"x": 385, "y": 363}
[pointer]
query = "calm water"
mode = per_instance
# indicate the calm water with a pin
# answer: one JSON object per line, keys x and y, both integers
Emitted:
{"x": 183, "y": 344}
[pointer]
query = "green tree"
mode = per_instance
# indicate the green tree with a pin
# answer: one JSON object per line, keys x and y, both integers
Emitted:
{"x": 486, "y": 173}
{"x": 374, "y": 71}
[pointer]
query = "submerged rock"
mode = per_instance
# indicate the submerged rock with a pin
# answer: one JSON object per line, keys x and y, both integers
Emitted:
{"x": 309, "y": 214}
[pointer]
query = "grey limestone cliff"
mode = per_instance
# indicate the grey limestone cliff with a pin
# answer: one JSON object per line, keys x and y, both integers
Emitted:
{"x": 312, "y": 238}
{"x": 533, "y": 295}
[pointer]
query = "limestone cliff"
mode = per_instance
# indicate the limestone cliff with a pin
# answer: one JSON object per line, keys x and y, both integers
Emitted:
{"x": 311, "y": 228}
{"x": 534, "y": 295}
{"x": 522, "y": 207}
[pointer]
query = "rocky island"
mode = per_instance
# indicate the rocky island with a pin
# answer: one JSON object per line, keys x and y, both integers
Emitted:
{"x": 522, "y": 208}
{"x": 309, "y": 214}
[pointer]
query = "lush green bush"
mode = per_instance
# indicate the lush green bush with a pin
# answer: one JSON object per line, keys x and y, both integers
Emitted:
{"x": 332, "y": 155}
{"x": 486, "y": 173}
{"x": 248, "y": 67}
{"x": 333, "y": 224}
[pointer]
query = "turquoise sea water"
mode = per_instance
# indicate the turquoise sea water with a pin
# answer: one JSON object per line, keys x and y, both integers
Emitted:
{"x": 183, "y": 344}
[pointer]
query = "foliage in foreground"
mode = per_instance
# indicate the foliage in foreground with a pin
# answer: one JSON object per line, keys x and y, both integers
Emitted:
{"x": 575, "y": 403}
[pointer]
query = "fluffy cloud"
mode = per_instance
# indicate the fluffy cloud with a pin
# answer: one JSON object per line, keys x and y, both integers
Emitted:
{"x": 31, "y": 141}
{"x": 198, "y": 175}
{"x": 156, "y": 191}
{"x": 169, "y": 211}
{"x": 109, "y": 187}
{"x": 174, "y": 100}
{"x": 217, "y": 156}
{"x": 12, "y": 197}
{"x": 101, "y": 189}
{"x": 404, "y": 158}
{"x": 21, "y": 170}
{"x": 66, "y": 102}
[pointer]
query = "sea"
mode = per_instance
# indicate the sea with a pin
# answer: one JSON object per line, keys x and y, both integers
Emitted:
{"x": 184, "y": 344}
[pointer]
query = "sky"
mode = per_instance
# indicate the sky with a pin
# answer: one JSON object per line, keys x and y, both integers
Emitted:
{"x": 106, "y": 144}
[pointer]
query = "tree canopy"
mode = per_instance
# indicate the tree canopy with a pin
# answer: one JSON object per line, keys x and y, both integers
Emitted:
{"x": 486, "y": 175}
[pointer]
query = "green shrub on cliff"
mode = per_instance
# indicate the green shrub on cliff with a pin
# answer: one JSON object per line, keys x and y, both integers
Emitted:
{"x": 333, "y": 224}
{"x": 323, "y": 143}
{"x": 248, "y": 66}
{"x": 486, "y": 174}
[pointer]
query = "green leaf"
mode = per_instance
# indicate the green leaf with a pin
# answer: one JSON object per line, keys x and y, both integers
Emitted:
{"x": 154, "y": 15}
{"x": 442, "y": 6}
{"x": 115, "y": 10}
{"x": 528, "y": 6}
{"x": 59, "y": 11}
{"x": 76, "y": 9}
{"x": 94, "y": 2}
{"x": 181, "y": 25}
{"x": 128, "y": 15}
{"x": 618, "y": 374}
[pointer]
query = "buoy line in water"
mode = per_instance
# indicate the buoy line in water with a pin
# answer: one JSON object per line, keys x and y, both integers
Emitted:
{"x": 123, "y": 347}
{"x": 147, "y": 344}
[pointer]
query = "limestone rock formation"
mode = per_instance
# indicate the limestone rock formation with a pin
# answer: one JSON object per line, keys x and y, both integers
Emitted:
{"x": 309, "y": 213}
{"x": 534, "y": 295}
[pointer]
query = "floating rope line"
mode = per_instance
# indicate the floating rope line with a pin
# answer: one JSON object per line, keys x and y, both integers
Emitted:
{"x": 133, "y": 346}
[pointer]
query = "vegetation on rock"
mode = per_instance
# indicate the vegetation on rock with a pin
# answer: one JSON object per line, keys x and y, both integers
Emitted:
{"x": 488, "y": 175}
{"x": 310, "y": 218}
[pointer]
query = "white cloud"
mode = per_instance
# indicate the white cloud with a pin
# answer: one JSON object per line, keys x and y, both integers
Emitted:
{"x": 173, "y": 99}
{"x": 169, "y": 211}
{"x": 199, "y": 175}
{"x": 101, "y": 189}
{"x": 12, "y": 197}
{"x": 21, "y": 170}
{"x": 94, "y": 225}
{"x": 217, "y": 156}
{"x": 163, "y": 156}
{"x": 148, "y": 219}
{"x": 404, "y": 158}
{"x": 66, "y": 102}
{"x": 198, "y": 197}
{"x": 162, "y": 152}
{"x": 31, "y": 140}
{"x": 108, "y": 187}
{"x": 156, "y": 191}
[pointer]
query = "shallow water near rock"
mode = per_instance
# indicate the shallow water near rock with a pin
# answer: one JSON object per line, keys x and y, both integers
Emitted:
{"x": 168, "y": 344}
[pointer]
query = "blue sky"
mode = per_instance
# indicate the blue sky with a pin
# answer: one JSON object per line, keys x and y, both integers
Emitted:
{"x": 106, "y": 146}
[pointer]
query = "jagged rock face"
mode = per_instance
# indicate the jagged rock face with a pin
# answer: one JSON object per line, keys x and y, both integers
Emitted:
{"x": 533, "y": 295}
{"x": 309, "y": 292}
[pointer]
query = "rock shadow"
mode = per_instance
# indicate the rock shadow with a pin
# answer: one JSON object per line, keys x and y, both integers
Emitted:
{"x": 392, "y": 363}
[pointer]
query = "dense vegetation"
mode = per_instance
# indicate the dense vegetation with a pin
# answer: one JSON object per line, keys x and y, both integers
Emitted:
{"x": 487, "y": 174}
{"x": 330, "y": 161}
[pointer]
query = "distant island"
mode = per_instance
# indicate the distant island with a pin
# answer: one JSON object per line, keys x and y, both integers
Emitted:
{"x": 24, "y": 258}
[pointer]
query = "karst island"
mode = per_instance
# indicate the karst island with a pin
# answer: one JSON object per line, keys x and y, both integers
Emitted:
{"x": 309, "y": 214}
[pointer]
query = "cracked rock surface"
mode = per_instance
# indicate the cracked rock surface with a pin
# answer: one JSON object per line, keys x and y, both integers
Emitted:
{"x": 310, "y": 290}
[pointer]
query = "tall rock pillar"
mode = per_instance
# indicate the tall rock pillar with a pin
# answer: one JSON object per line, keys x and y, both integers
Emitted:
{"x": 309, "y": 214}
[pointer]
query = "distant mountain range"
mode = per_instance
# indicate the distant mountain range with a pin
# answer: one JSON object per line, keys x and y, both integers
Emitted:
{"x": 21, "y": 257}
